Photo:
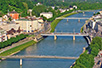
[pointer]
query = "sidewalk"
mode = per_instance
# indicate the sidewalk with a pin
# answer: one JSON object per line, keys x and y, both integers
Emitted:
{"x": 14, "y": 45}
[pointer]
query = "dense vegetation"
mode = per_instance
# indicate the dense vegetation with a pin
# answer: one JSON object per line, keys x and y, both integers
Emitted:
{"x": 86, "y": 59}
{"x": 12, "y": 40}
{"x": 18, "y": 48}
{"x": 21, "y": 6}
{"x": 82, "y": 0}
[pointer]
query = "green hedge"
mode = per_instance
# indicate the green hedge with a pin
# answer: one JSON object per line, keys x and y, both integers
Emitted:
{"x": 18, "y": 48}
{"x": 12, "y": 40}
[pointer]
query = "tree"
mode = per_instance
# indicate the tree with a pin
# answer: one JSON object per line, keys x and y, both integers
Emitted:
{"x": 79, "y": 65}
{"x": 44, "y": 18}
{"x": 94, "y": 51}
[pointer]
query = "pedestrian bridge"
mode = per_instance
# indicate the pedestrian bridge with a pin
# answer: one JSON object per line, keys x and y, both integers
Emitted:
{"x": 71, "y": 18}
{"x": 36, "y": 56}
{"x": 65, "y": 34}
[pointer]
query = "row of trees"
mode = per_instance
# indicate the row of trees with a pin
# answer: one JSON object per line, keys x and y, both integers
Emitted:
{"x": 86, "y": 59}
{"x": 12, "y": 40}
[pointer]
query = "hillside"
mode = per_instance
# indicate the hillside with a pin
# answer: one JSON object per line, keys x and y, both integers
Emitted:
{"x": 82, "y": 0}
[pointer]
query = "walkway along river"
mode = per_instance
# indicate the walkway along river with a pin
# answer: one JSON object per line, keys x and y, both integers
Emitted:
{"x": 63, "y": 46}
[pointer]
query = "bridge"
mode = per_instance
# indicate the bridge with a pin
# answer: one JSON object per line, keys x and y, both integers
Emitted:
{"x": 71, "y": 18}
{"x": 64, "y": 34}
{"x": 37, "y": 56}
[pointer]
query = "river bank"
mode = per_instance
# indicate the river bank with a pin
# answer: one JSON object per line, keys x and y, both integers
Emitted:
{"x": 16, "y": 49}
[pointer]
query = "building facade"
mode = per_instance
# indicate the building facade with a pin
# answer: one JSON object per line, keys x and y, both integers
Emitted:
{"x": 47, "y": 15}
{"x": 3, "y": 36}
{"x": 30, "y": 25}
{"x": 14, "y": 15}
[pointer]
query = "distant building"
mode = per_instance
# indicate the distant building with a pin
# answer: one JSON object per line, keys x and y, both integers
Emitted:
{"x": 9, "y": 26}
{"x": 100, "y": 12}
{"x": 38, "y": 4}
{"x": 62, "y": 0}
{"x": 75, "y": 7}
{"x": 0, "y": 18}
{"x": 5, "y": 18}
{"x": 14, "y": 15}
{"x": 3, "y": 36}
{"x": 70, "y": 7}
{"x": 30, "y": 25}
{"x": 62, "y": 10}
{"x": 47, "y": 15}
{"x": 53, "y": 7}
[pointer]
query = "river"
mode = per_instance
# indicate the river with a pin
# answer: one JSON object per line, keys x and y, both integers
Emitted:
{"x": 63, "y": 46}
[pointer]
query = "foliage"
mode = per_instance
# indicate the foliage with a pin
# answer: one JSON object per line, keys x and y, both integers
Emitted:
{"x": 12, "y": 40}
{"x": 97, "y": 40}
{"x": 38, "y": 9}
{"x": 87, "y": 60}
{"x": 18, "y": 48}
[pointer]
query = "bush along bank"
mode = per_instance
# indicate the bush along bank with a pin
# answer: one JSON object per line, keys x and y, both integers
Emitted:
{"x": 86, "y": 59}
{"x": 55, "y": 22}
{"x": 17, "y": 49}
{"x": 12, "y": 40}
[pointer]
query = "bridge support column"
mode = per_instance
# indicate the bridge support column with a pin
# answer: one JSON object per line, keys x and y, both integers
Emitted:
{"x": 73, "y": 37}
{"x": 78, "y": 20}
{"x": 67, "y": 19}
{"x": 20, "y": 62}
{"x": 55, "y": 37}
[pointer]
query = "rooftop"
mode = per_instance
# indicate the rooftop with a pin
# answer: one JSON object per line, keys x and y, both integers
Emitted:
{"x": 13, "y": 11}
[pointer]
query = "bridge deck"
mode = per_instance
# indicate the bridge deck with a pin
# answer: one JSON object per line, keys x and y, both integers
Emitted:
{"x": 71, "y": 18}
{"x": 35, "y": 56}
{"x": 65, "y": 34}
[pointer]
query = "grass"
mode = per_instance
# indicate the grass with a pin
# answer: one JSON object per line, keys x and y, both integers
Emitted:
{"x": 18, "y": 48}
{"x": 55, "y": 22}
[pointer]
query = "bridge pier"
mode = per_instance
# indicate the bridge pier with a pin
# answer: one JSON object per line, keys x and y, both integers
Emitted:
{"x": 78, "y": 20}
{"x": 67, "y": 19}
{"x": 73, "y": 38}
{"x": 55, "y": 37}
{"x": 20, "y": 62}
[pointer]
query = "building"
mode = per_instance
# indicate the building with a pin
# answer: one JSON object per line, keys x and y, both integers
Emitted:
{"x": 75, "y": 7}
{"x": 5, "y": 18}
{"x": 14, "y": 15}
{"x": 53, "y": 7}
{"x": 38, "y": 4}
{"x": 0, "y": 18}
{"x": 9, "y": 26}
{"x": 70, "y": 7}
{"x": 3, "y": 35}
{"x": 29, "y": 25}
{"x": 63, "y": 10}
{"x": 100, "y": 12}
{"x": 47, "y": 15}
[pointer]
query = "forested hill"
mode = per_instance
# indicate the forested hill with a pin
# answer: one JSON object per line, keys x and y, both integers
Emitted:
{"x": 82, "y": 0}
{"x": 18, "y": 5}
